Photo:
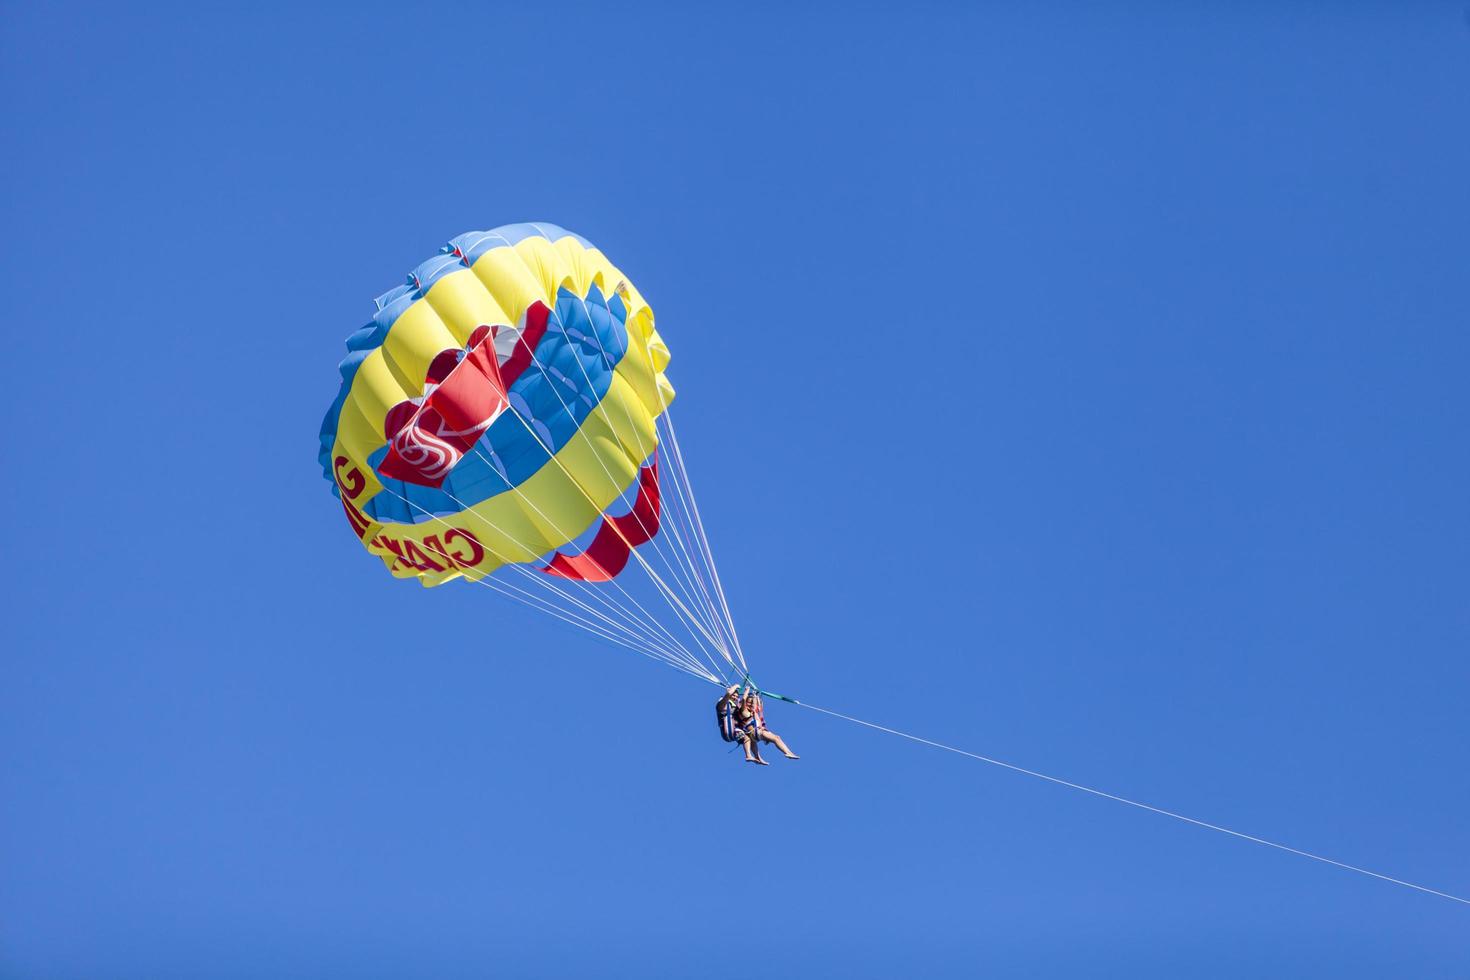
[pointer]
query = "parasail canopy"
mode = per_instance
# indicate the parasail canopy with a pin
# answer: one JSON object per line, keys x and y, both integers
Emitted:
{"x": 504, "y": 418}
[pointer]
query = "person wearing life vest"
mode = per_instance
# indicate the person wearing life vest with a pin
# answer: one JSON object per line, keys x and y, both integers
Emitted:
{"x": 743, "y": 719}
{"x": 726, "y": 710}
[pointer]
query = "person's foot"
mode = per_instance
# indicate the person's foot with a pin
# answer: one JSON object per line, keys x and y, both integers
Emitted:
{"x": 792, "y": 755}
{"x": 759, "y": 762}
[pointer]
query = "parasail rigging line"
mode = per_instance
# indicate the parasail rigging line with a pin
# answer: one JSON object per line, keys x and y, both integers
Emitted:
{"x": 679, "y": 570}
{"x": 683, "y": 473}
{"x": 526, "y": 500}
{"x": 548, "y": 582}
{"x": 682, "y": 571}
{"x": 541, "y": 604}
{"x": 1133, "y": 803}
{"x": 550, "y": 585}
{"x": 681, "y": 524}
{"x": 589, "y": 588}
{"x": 686, "y": 530}
{"x": 690, "y": 569}
{"x": 648, "y": 643}
{"x": 671, "y": 598}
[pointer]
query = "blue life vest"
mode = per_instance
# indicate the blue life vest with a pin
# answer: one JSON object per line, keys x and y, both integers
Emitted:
{"x": 725, "y": 717}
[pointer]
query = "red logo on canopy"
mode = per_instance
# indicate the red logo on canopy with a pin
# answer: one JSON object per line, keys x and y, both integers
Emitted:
{"x": 464, "y": 393}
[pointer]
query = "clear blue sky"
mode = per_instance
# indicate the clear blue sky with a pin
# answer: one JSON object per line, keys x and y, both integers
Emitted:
{"x": 1174, "y": 294}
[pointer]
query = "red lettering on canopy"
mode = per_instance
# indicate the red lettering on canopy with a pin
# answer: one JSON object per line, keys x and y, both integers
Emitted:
{"x": 355, "y": 518}
{"x": 434, "y": 546}
{"x": 476, "y": 551}
{"x": 354, "y": 482}
{"x": 348, "y": 487}
{"x": 416, "y": 557}
{"x": 467, "y": 554}
{"x": 383, "y": 541}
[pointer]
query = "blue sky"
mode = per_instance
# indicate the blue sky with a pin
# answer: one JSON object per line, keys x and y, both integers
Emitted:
{"x": 1140, "y": 328}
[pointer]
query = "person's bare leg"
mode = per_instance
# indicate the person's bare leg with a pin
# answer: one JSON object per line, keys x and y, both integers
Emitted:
{"x": 755, "y": 746}
{"x": 752, "y": 750}
{"x": 774, "y": 739}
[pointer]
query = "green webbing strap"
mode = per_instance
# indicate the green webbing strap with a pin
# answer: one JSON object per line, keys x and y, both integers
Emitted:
{"x": 750, "y": 685}
{"x": 772, "y": 694}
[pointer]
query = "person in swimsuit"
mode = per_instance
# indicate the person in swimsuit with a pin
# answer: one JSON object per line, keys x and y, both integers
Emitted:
{"x": 750, "y": 717}
{"x": 726, "y": 711}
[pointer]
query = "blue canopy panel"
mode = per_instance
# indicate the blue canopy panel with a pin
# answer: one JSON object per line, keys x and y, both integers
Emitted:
{"x": 570, "y": 373}
{"x": 461, "y": 251}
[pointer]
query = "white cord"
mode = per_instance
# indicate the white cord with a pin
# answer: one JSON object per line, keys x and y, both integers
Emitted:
{"x": 1135, "y": 803}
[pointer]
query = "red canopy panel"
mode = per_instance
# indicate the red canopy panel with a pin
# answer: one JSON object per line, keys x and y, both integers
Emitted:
{"x": 616, "y": 538}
